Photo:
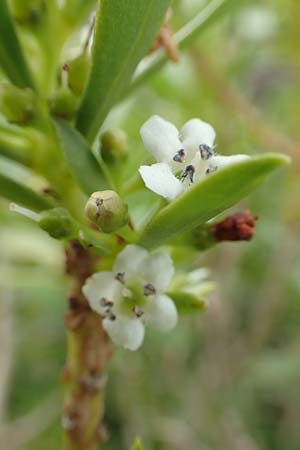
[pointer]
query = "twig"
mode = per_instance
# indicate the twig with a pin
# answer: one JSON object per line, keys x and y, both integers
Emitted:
{"x": 234, "y": 100}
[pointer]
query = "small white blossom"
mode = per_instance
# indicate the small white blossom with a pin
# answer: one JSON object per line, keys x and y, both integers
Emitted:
{"x": 132, "y": 295}
{"x": 183, "y": 158}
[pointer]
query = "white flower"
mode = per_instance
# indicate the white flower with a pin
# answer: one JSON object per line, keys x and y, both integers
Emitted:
{"x": 183, "y": 158}
{"x": 132, "y": 295}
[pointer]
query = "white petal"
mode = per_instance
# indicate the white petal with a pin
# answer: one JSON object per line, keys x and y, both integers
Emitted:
{"x": 158, "y": 269}
{"x": 101, "y": 285}
{"x": 160, "y": 179}
{"x": 196, "y": 132}
{"x": 161, "y": 139}
{"x": 129, "y": 261}
{"x": 224, "y": 161}
{"x": 161, "y": 313}
{"x": 126, "y": 331}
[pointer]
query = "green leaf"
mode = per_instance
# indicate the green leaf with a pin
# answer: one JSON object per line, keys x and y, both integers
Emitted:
{"x": 187, "y": 303}
{"x": 137, "y": 445}
{"x": 219, "y": 191}
{"x": 82, "y": 162}
{"x": 21, "y": 194}
{"x": 125, "y": 30}
{"x": 12, "y": 60}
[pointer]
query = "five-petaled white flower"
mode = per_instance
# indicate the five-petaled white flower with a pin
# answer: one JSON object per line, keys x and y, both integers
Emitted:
{"x": 132, "y": 295}
{"x": 183, "y": 158}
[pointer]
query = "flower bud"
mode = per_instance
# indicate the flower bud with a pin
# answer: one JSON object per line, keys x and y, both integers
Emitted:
{"x": 16, "y": 104}
{"x": 114, "y": 146}
{"x": 107, "y": 210}
{"x": 26, "y": 10}
{"x": 64, "y": 103}
{"x": 78, "y": 71}
{"x": 58, "y": 223}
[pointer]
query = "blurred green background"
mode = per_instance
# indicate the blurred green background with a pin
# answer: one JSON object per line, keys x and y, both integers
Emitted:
{"x": 228, "y": 379}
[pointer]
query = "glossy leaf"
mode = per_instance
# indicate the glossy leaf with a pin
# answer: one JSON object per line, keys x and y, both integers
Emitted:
{"x": 187, "y": 303}
{"x": 125, "y": 30}
{"x": 219, "y": 191}
{"x": 12, "y": 60}
{"x": 21, "y": 194}
{"x": 82, "y": 162}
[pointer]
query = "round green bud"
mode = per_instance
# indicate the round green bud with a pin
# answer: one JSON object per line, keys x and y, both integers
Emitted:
{"x": 78, "y": 71}
{"x": 26, "y": 10}
{"x": 114, "y": 145}
{"x": 16, "y": 104}
{"x": 107, "y": 210}
{"x": 58, "y": 223}
{"x": 64, "y": 103}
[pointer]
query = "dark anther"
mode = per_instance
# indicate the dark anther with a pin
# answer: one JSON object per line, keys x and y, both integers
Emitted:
{"x": 149, "y": 289}
{"x": 206, "y": 151}
{"x": 211, "y": 169}
{"x": 120, "y": 277}
{"x": 238, "y": 227}
{"x": 105, "y": 302}
{"x": 179, "y": 156}
{"x": 112, "y": 317}
{"x": 189, "y": 171}
{"x": 137, "y": 311}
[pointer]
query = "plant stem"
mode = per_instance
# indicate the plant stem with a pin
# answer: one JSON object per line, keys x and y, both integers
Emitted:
{"x": 89, "y": 350}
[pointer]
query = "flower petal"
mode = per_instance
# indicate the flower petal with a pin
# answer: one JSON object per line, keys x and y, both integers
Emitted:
{"x": 129, "y": 261}
{"x": 161, "y": 313}
{"x": 161, "y": 139}
{"x": 101, "y": 285}
{"x": 160, "y": 179}
{"x": 158, "y": 269}
{"x": 224, "y": 161}
{"x": 126, "y": 331}
{"x": 196, "y": 132}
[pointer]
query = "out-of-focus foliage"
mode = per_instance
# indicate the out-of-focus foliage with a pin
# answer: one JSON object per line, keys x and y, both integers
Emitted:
{"x": 228, "y": 380}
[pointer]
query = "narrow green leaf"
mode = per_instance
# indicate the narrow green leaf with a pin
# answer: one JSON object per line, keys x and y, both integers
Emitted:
{"x": 125, "y": 30}
{"x": 137, "y": 445}
{"x": 12, "y": 59}
{"x": 187, "y": 303}
{"x": 205, "y": 200}
{"x": 82, "y": 162}
{"x": 21, "y": 194}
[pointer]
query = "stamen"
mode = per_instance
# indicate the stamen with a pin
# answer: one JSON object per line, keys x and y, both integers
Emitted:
{"x": 138, "y": 311}
{"x": 206, "y": 151}
{"x": 120, "y": 277}
{"x": 189, "y": 171}
{"x": 106, "y": 303}
{"x": 179, "y": 156}
{"x": 24, "y": 212}
{"x": 149, "y": 289}
{"x": 211, "y": 169}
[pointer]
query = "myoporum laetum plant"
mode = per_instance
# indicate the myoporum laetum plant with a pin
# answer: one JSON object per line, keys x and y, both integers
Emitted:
{"x": 121, "y": 257}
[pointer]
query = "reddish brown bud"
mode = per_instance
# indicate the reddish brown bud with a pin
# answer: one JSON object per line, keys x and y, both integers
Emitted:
{"x": 238, "y": 227}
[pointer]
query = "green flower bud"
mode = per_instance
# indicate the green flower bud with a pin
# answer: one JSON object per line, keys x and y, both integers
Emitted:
{"x": 107, "y": 210}
{"x": 16, "y": 104}
{"x": 64, "y": 103}
{"x": 78, "y": 71}
{"x": 26, "y": 10}
{"x": 58, "y": 223}
{"x": 114, "y": 146}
